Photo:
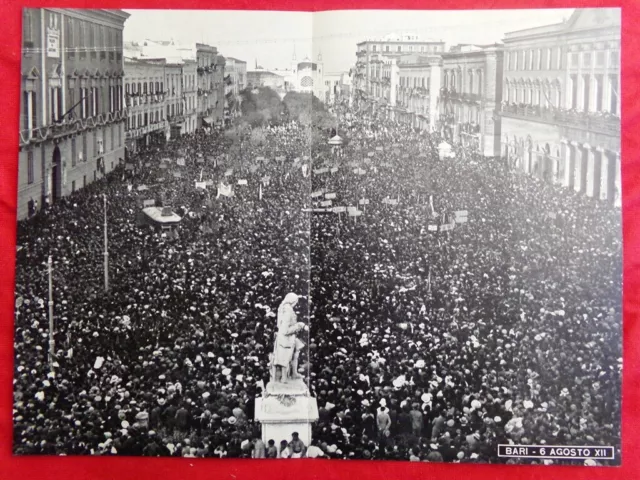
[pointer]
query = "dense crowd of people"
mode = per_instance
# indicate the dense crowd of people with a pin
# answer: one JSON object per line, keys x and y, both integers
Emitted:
{"x": 424, "y": 345}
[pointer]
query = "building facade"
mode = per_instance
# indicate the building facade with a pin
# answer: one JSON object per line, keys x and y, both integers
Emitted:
{"x": 265, "y": 78}
{"x": 210, "y": 70}
{"x": 561, "y": 108}
{"x": 336, "y": 87}
{"x": 174, "y": 104}
{"x": 372, "y": 54}
{"x": 413, "y": 83}
{"x": 189, "y": 95}
{"x": 306, "y": 77}
{"x": 144, "y": 98}
{"x": 235, "y": 82}
{"x": 72, "y": 103}
{"x": 472, "y": 89}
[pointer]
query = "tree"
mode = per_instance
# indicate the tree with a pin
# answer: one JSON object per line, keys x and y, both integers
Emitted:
{"x": 260, "y": 106}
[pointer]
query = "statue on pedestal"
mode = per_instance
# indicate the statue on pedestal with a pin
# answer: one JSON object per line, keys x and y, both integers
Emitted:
{"x": 286, "y": 350}
{"x": 286, "y": 405}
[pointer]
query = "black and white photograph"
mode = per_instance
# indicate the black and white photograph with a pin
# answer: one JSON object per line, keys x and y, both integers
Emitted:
{"x": 369, "y": 235}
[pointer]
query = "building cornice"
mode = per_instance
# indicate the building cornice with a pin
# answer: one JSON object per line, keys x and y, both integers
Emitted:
{"x": 115, "y": 18}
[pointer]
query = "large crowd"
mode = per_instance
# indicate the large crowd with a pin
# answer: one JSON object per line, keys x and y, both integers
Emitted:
{"x": 424, "y": 345}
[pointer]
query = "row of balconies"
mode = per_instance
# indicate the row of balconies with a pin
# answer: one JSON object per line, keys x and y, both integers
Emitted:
{"x": 139, "y": 131}
{"x": 593, "y": 121}
{"x": 464, "y": 97}
{"x": 208, "y": 69}
{"x": 69, "y": 127}
{"x": 133, "y": 100}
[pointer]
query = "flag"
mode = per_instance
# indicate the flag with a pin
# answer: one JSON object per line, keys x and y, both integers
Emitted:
{"x": 224, "y": 190}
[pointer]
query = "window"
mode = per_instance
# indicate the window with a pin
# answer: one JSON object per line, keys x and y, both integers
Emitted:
{"x": 373, "y": 48}
{"x": 84, "y": 148}
{"x": 74, "y": 156}
{"x": 28, "y": 27}
{"x": 613, "y": 107}
{"x": 559, "y": 58}
{"x": 574, "y": 59}
{"x": 599, "y": 92}
{"x": 95, "y": 102}
{"x": 102, "y": 42}
{"x": 92, "y": 39}
{"x": 112, "y": 128}
{"x": 548, "y": 59}
{"x": 613, "y": 58}
{"x": 531, "y": 60}
{"x": 56, "y": 104}
{"x": 586, "y": 59}
{"x": 82, "y": 35}
{"x": 399, "y": 48}
{"x": 515, "y": 60}
{"x": 83, "y": 103}
{"x": 73, "y": 186}
{"x": 70, "y": 37}
{"x": 30, "y": 167}
{"x": 95, "y": 143}
{"x": 84, "y": 181}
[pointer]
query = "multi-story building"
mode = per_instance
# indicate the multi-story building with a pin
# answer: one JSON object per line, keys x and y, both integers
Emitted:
{"x": 235, "y": 81}
{"x": 150, "y": 52}
{"x": 173, "y": 104}
{"x": 410, "y": 85}
{"x": 561, "y": 108}
{"x": 144, "y": 98}
{"x": 265, "y": 78}
{"x": 306, "y": 76}
{"x": 72, "y": 104}
{"x": 370, "y": 55}
{"x": 190, "y": 95}
{"x": 336, "y": 86}
{"x": 472, "y": 88}
{"x": 211, "y": 70}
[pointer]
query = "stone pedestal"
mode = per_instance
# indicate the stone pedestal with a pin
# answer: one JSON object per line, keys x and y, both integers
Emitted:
{"x": 284, "y": 409}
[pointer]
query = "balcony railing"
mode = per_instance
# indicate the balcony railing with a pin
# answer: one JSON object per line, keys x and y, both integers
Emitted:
{"x": 597, "y": 122}
{"x": 69, "y": 127}
{"x": 175, "y": 119}
{"x": 140, "y": 131}
{"x": 464, "y": 97}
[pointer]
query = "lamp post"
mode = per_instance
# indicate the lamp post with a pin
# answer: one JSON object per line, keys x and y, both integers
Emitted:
{"x": 106, "y": 248}
{"x": 52, "y": 342}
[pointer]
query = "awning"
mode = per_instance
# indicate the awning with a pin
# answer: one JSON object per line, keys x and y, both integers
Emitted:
{"x": 208, "y": 120}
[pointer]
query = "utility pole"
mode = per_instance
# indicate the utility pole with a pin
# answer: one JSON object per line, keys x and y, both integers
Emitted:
{"x": 106, "y": 248}
{"x": 52, "y": 342}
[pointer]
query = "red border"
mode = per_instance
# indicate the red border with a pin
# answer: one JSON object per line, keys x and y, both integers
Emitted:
{"x": 69, "y": 468}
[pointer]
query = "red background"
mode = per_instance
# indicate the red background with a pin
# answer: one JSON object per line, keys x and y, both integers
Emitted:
{"x": 122, "y": 468}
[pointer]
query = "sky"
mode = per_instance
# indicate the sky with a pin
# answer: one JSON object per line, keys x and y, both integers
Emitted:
{"x": 270, "y": 38}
